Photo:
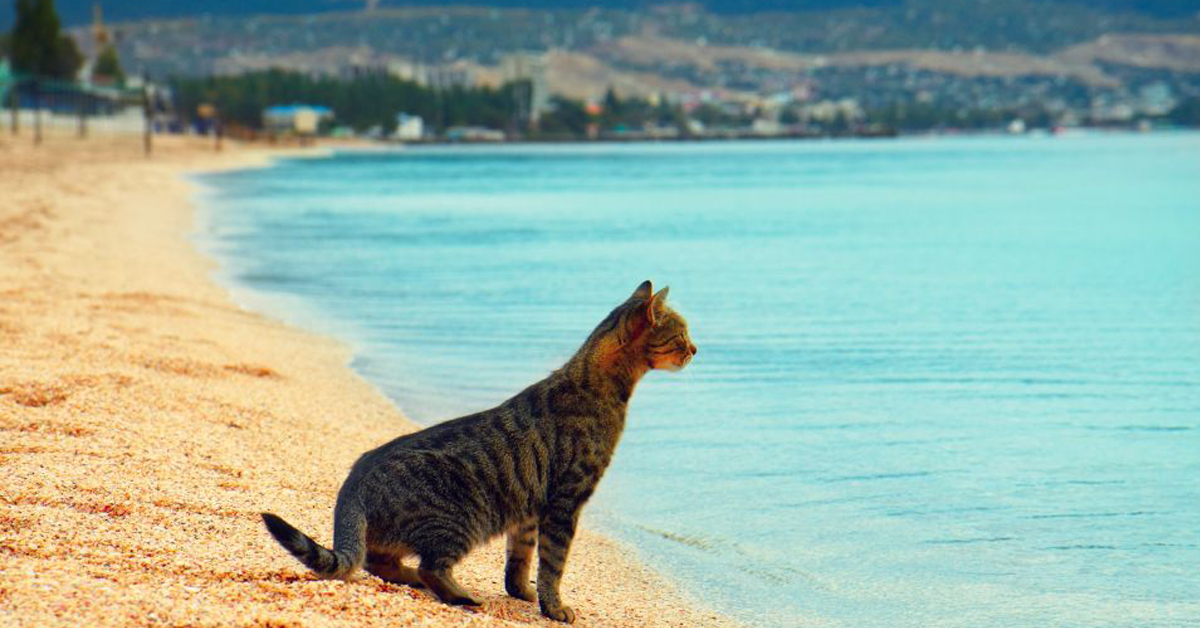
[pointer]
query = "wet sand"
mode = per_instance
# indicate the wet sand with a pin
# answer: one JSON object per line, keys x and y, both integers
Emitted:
{"x": 146, "y": 420}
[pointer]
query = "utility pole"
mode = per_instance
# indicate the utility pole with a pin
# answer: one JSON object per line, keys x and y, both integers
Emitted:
{"x": 14, "y": 104}
{"x": 37, "y": 112}
{"x": 80, "y": 109}
{"x": 146, "y": 114}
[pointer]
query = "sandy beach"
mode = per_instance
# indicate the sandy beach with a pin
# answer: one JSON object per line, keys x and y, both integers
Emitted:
{"x": 146, "y": 420}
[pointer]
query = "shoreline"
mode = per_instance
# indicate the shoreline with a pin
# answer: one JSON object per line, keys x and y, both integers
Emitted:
{"x": 147, "y": 418}
{"x": 734, "y": 137}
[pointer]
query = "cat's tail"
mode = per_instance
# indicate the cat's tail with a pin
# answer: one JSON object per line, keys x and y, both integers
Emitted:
{"x": 349, "y": 544}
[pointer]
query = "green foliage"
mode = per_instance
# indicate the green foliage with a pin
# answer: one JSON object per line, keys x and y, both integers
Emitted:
{"x": 65, "y": 60}
{"x": 636, "y": 113}
{"x": 715, "y": 116}
{"x": 1186, "y": 113}
{"x": 566, "y": 119}
{"x": 370, "y": 101}
{"x": 611, "y": 113}
{"x": 108, "y": 65}
{"x": 927, "y": 116}
{"x": 38, "y": 46}
{"x": 361, "y": 103}
{"x": 914, "y": 116}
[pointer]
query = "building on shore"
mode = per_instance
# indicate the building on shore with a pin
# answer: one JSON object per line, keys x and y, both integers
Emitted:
{"x": 406, "y": 70}
{"x": 409, "y": 128}
{"x": 446, "y": 77}
{"x": 295, "y": 119}
{"x": 531, "y": 67}
{"x": 474, "y": 134}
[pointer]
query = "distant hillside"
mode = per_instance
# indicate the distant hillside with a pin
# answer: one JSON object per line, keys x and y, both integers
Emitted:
{"x": 963, "y": 52}
{"x": 912, "y": 62}
{"x": 483, "y": 35}
{"x": 75, "y": 12}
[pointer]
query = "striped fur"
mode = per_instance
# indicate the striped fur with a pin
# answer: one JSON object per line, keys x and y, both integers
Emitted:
{"x": 524, "y": 468}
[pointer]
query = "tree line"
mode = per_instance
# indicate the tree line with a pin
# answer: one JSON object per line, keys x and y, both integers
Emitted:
{"x": 373, "y": 101}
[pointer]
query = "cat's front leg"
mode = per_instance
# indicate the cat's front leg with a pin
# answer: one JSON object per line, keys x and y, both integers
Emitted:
{"x": 555, "y": 532}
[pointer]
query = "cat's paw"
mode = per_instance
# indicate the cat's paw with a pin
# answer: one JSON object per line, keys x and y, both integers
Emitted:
{"x": 521, "y": 591}
{"x": 464, "y": 600}
{"x": 564, "y": 614}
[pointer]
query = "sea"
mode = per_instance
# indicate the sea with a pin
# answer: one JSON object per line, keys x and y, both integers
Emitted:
{"x": 941, "y": 381}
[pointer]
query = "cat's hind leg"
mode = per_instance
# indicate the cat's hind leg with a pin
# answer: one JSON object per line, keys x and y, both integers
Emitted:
{"x": 445, "y": 587}
{"x": 441, "y": 544}
{"x": 387, "y": 566}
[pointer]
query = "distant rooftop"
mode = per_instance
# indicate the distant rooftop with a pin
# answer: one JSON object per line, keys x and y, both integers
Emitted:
{"x": 287, "y": 110}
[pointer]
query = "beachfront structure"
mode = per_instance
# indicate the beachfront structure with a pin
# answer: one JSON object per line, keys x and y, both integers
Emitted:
{"x": 532, "y": 67}
{"x": 409, "y": 128}
{"x": 295, "y": 118}
{"x": 474, "y": 134}
{"x": 449, "y": 76}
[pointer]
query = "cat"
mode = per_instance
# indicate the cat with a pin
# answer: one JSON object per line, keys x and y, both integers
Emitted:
{"x": 524, "y": 468}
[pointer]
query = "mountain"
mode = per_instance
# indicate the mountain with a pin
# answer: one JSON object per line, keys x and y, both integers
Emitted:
{"x": 1106, "y": 56}
{"x": 77, "y": 12}
{"x": 963, "y": 52}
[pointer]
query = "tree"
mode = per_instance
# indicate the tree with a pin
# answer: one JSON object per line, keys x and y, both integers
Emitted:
{"x": 108, "y": 66}
{"x": 38, "y": 46}
{"x": 65, "y": 59}
{"x": 610, "y": 116}
{"x": 566, "y": 118}
{"x": 1186, "y": 113}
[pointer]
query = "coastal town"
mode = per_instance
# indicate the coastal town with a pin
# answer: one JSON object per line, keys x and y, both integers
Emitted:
{"x": 671, "y": 72}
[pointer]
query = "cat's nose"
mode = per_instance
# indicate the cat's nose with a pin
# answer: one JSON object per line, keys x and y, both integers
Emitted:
{"x": 693, "y": 349}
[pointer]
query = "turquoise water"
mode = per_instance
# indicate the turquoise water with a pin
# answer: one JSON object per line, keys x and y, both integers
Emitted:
{"x": 941, "y": 382}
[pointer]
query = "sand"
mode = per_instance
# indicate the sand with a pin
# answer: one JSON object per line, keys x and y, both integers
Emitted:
{"x": 146, "y": 420}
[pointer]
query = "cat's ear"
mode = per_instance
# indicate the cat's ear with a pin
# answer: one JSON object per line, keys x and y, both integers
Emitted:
{"x": 643, "y": 291}
{"x": 656, "y": 305}
{"x": 640, "y": 316}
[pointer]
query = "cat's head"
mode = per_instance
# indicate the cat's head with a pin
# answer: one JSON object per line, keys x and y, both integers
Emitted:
{"x": 654, "y": 332}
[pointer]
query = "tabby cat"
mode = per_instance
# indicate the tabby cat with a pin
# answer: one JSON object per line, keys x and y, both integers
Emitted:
{"x": 524, "y": 468}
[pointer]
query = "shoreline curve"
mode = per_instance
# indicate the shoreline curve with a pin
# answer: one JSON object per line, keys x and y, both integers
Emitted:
{"x": 146, "y": 419}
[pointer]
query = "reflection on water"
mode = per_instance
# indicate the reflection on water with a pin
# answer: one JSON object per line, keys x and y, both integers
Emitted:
{"x": 941, "y": 382}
